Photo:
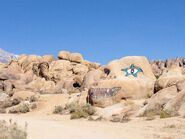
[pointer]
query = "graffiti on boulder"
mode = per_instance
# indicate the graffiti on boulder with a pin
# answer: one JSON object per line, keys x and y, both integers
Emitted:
{"x": 132, "y": 70}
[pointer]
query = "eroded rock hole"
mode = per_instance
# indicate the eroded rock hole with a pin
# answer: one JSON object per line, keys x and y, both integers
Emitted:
{"x": 107, "y": 71}
{"x": 76, "y": 85}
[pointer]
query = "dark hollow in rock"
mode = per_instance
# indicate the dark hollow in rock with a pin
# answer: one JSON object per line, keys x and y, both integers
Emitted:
{"x": 76, "y": 85}
{"x": 107, "y": 71}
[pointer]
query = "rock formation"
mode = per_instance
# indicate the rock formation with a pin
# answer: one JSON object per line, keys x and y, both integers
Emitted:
{"x": 128, "y": 85}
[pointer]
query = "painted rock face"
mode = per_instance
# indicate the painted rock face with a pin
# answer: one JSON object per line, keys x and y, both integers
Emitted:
{"x": 102, "y": 93}
{"x": 132, "y": 70}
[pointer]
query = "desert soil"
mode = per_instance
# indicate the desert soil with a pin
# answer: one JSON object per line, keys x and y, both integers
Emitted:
{"x": 57, "y": 127}
{"x": 44, "y": 125}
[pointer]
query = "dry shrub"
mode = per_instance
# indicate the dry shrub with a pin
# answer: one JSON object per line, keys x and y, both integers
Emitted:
{"x": 80, "y": 111}
{"x": 58, "y": 110}
{"x": 33, "y": 99}
{"x": 33, "y": 105}
{"x": 164, "y": 114}
{"x": 77, "y": 111}
{"x": 22, "y": 108}
{"x": 12, "y": 131}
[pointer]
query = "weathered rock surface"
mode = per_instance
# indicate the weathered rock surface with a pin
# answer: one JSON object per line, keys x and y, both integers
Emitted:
{"x": 73, "y": 57}
{"x": 131, "y": 87}
{"x": 117, "y": 88}
{"x": 176, "y": 106}
{"x": 157, "y": 102}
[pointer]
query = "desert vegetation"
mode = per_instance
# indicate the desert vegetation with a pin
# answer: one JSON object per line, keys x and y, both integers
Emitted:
{"x": 11, "y": 130}
{"x": 75, "y": 110}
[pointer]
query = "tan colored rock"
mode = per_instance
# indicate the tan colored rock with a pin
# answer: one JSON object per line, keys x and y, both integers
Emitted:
{"x": 65, "y": 55}
{"x": 60, "y": 65}
{"x": 47, "y": 58}
{"x": 176, "y": 106}
{"x": 91, "y": 65}
{"x": 44, "y": 70}
{"x": 14, "y": 67}
{"x": 27, "y": 61}
{"x": 124, "y": 109}
{"x": 8, "y": 86}
{"x": 3, "y": 97}
{"x": 157, "y": 101}
{"x": 125, "y": 62}
{"x": 2, "y": 65}
{"x": 27, "y": 77}
{"x": 91, "y": 78}
{"x": 181, "y": 85}
{"x": 25, "y": 95}
{"x": 170, "y": 77}
{"x": 36, "y": 84}
{"x": 76, "y": 57}
{"x": 80, "y": 69}
{"x": 83, "y": 98}
{"x": 132, "y": 87}
{"x": 47, "y": 88}
{"x": 72, "y": 84}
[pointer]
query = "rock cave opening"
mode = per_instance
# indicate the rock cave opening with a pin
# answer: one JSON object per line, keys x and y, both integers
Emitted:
{"x": 76, "y": 85}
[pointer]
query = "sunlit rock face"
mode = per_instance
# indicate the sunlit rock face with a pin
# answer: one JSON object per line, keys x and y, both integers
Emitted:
{"x": 5, "y": 57}
{"x": 133, "y": 75}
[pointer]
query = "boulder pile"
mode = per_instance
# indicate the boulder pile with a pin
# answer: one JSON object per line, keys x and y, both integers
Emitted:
{"x": 128, "y": 86}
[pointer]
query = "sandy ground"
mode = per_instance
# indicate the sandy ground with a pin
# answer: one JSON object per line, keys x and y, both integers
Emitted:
{"x": 44, "y": 125}
{"x": 57, "y": 127}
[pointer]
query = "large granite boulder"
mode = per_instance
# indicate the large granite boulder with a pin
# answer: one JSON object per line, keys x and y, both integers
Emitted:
{"x": 170, "y": 77}
{"x": 176, "y": 106}
{"x": 157, "y": 102}
{"x": 132, "y": 74}
{"x": 65, "y": 55}
{"x": 73, "y": 57}
{"x": 76, "y": 57}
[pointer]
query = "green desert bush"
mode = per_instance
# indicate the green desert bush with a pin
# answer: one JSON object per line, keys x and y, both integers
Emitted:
{"x": 164, "y": 114}
{"x": 21, "y": 108}
{"x": 80, "y": 111}
{"x": 72, "y": 107}
{"x": 90, "y": 110}
{"x": 79, "y": 114}
{"x": 77, "y": 111}
{"x": 58, "y": 110}
{"x": 12, "y": 131}
{"x": 33, "y": 99}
